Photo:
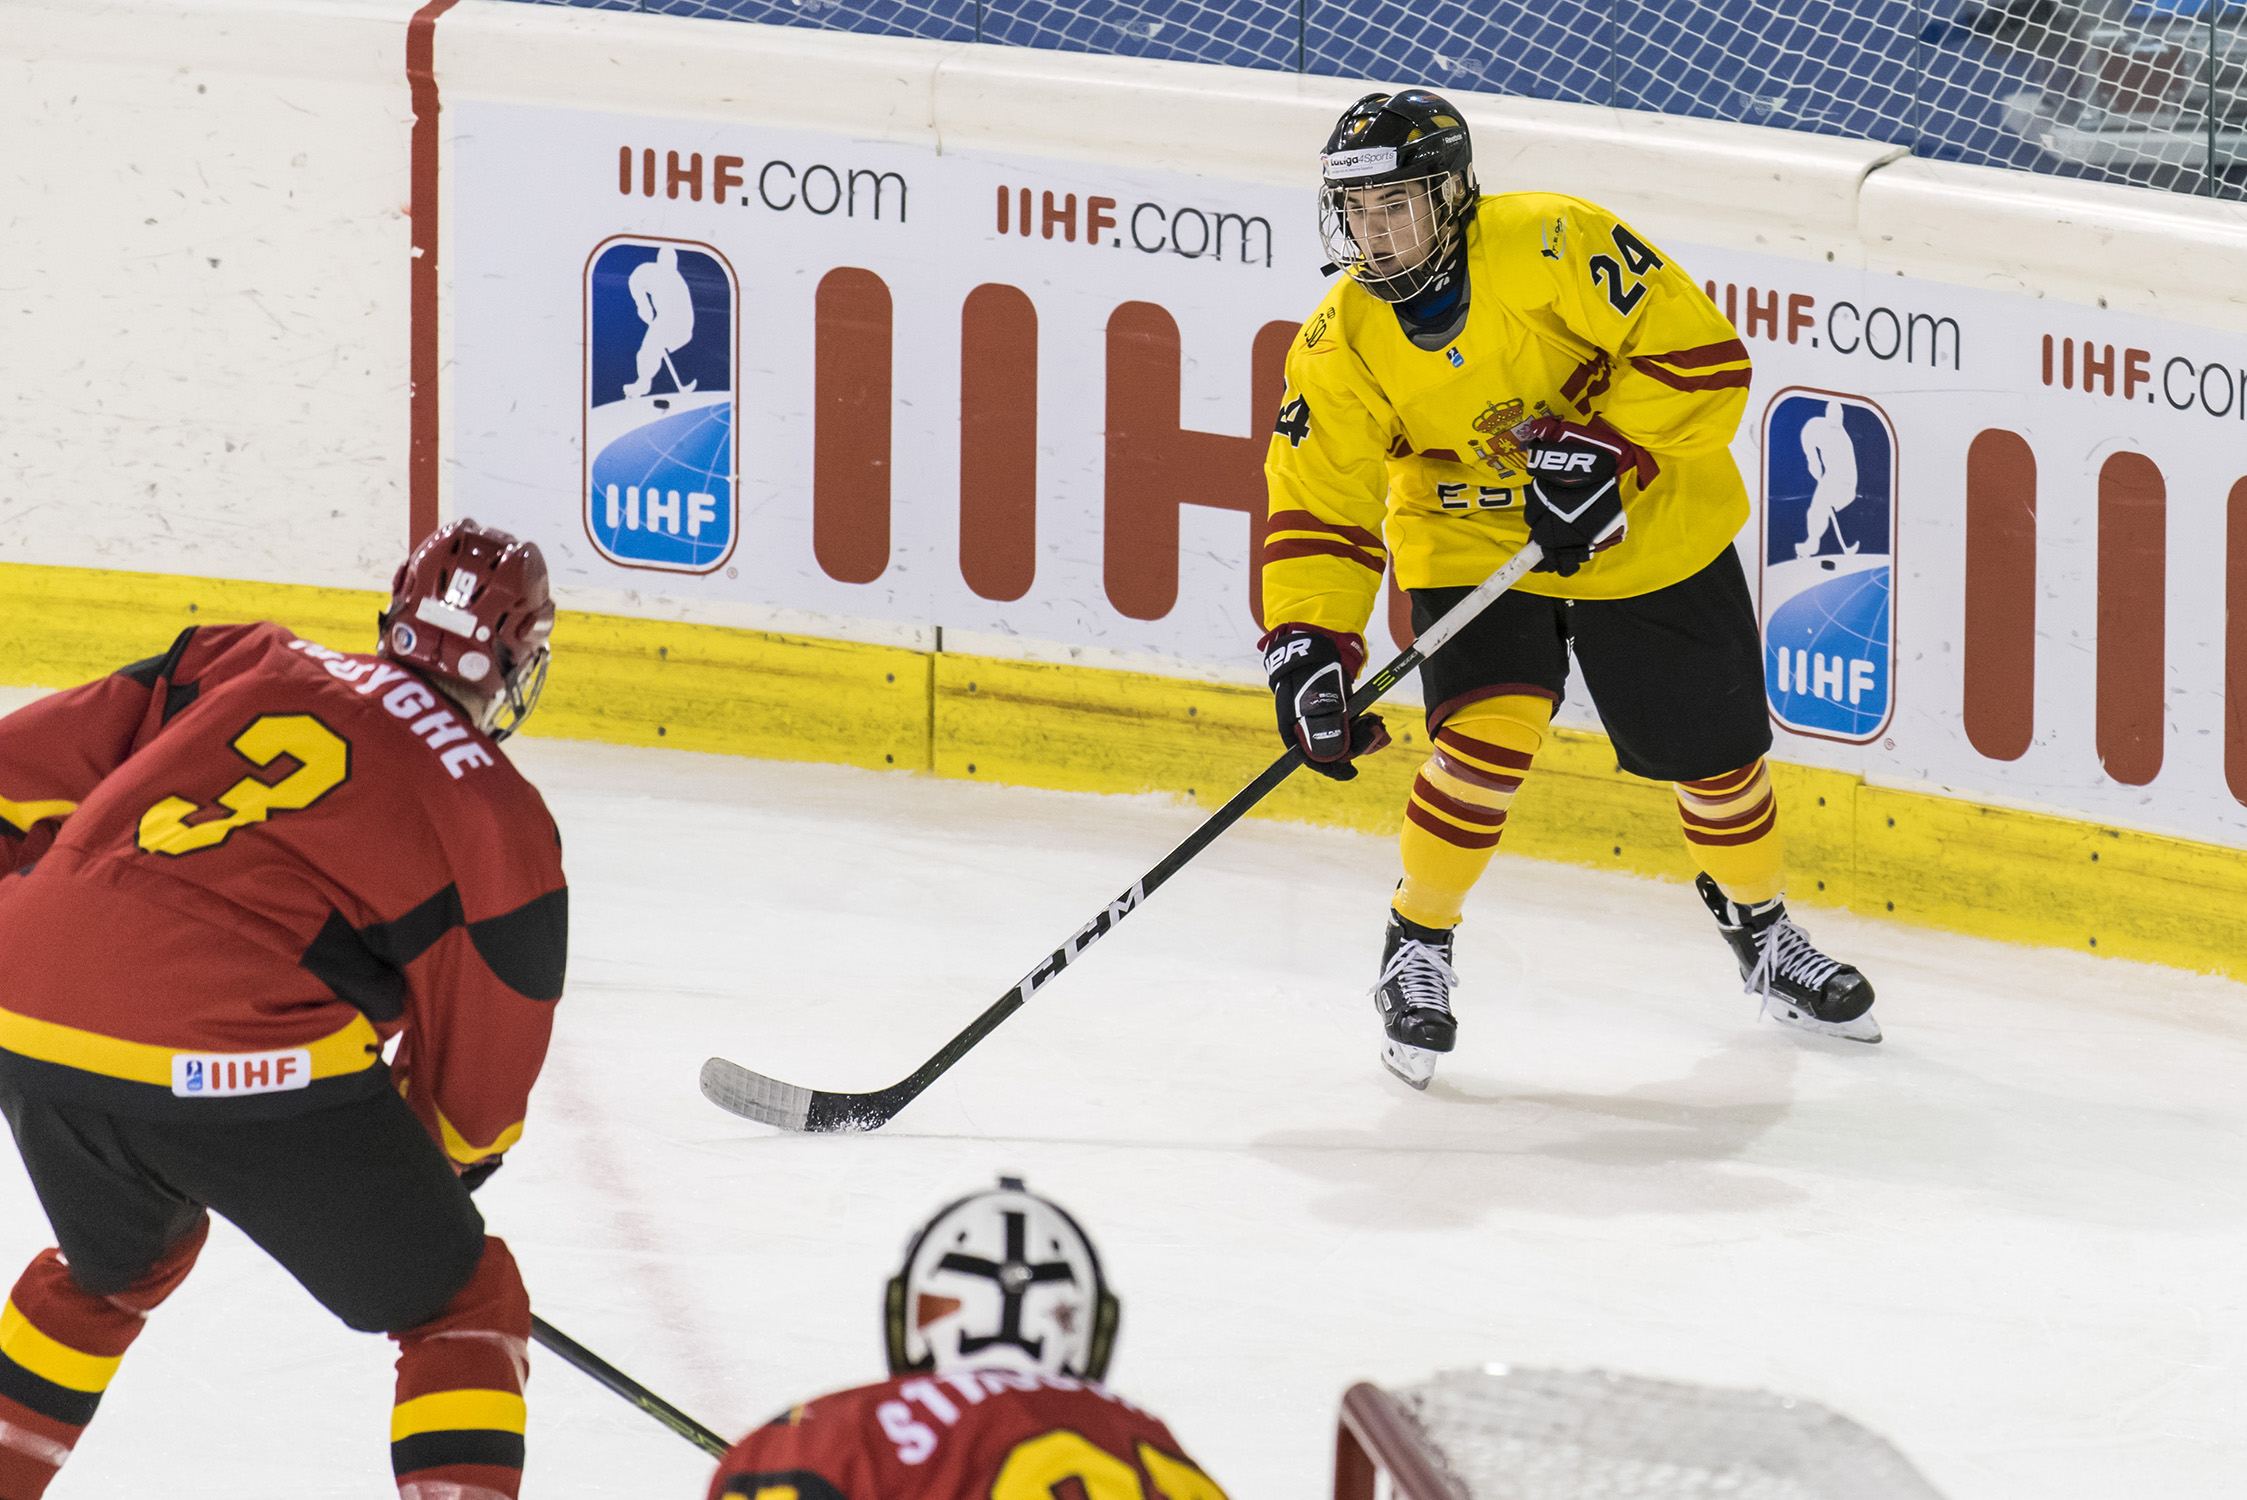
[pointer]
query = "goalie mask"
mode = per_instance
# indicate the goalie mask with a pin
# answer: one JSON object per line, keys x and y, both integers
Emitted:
{"x": 1397, "y": 188}
{"x": 1001, "y": 1277}
{"x": 471, "y": 609}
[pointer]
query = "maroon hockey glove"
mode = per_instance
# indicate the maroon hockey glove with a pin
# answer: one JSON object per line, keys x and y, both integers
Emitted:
{"x": 1575, "y": 502}
{"x": 1311, "y": 689}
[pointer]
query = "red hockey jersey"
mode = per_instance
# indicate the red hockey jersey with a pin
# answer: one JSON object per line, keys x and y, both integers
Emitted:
{"x": 242, "y": 867}
{"x": 971, "y": 1434}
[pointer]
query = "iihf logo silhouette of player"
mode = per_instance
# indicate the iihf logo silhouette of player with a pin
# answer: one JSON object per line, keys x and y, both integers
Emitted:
{"x": 663, "y": 301}
{"x": 1832, "y": 456}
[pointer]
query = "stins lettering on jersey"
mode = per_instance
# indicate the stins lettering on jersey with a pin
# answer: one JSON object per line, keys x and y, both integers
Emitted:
{"x": 963, "y": 1434}
{"x": 241, "y": 867}
{"x": 1386, "y": 447}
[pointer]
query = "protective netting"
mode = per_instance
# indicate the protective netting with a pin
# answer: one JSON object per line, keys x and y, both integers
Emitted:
{"x": 1522, "y": 1434}
{"x": 2147, "y": 91}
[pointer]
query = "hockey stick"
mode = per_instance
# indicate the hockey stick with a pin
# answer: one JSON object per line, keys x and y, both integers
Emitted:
{"x": 560, "y": 1343}
{"x": 790, "y": 1106}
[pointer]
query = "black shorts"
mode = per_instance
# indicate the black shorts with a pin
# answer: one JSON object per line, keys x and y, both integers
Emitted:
{"x": 1677, "y": 675}
{"x": 356, "y": 1201}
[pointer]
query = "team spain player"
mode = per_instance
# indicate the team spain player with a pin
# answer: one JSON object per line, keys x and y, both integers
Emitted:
{"x": 239, "y": 869}
{"x": 1492, "y": 370}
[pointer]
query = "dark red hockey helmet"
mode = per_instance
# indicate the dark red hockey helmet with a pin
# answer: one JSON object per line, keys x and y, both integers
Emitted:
{"x": 471, "y": 607}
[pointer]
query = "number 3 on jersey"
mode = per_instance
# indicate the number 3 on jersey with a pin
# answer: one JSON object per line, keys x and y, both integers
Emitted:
{"x": 1064, "y": 1465}
{"x": 323, "y": 763}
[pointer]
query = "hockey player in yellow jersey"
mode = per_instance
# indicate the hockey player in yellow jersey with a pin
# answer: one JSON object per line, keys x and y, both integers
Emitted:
{"x": 1490, "y": 370}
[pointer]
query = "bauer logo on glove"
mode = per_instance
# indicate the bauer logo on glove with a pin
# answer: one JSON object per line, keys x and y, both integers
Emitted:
{"x": 1310, "y": 672}
{"x": 1563, "y": 462}
{"x": 1575, "y": 501}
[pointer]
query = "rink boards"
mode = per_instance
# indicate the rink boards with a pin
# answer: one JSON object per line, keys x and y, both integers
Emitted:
{"x": 1936, "y": 861}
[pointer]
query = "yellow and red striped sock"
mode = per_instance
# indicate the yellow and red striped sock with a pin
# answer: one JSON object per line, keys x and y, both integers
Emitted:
{"x": 456, "y": 1430}
{"x": 1457, "y": 812}
{"x": 60, "y": 1345}
{"x": 1732, "y": 827}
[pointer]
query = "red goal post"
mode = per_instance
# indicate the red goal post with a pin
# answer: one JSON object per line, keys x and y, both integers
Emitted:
{"x": 1376, "y": 1436}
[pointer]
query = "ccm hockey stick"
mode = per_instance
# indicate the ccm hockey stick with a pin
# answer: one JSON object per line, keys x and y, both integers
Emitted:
{"x": 560, "y": 1343}
{"x": 790, "y": 1106}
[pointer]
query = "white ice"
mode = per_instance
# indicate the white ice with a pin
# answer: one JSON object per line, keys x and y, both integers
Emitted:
{"x": 2013, "y": 1238}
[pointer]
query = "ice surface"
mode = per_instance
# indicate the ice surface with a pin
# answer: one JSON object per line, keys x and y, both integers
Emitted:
{"x": 2011, "y": 1238}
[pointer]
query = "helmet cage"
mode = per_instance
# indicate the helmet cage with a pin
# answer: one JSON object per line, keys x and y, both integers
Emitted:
{"x": 521, "y": 684}
{"x": 1396, "y": 191}
{"x": 1394, "y": 244}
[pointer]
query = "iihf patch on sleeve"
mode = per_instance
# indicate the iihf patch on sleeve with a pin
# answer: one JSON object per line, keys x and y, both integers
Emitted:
{"x": 225, "y": 1075}
{"x": 1829, "y": 553}
{"x": 661, "y": 408}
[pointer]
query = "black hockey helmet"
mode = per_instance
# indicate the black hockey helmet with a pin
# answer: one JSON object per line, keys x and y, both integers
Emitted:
{"x": 1396, "y": 189}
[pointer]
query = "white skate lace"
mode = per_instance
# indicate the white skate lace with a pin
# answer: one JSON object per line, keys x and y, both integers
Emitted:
{"x": 1785, "y": 952}
{"x": 1423, "y": 975}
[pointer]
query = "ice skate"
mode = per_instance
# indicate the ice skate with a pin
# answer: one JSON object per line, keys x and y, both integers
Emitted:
{"x": 1414, "y": 998}
{"x": 1800, "y": 986}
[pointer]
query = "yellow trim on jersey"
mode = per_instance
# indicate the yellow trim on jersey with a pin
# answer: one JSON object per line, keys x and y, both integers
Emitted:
{"x": 467, "y": 1152}
{"x": 52, "y": 1360}
{"x": 21, "y": 815}
{"x": 458, "y": 1411}
{"x": 353, "y": 1049}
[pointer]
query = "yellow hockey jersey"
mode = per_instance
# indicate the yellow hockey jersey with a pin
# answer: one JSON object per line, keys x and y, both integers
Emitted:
{"x": 1383, "y": 446}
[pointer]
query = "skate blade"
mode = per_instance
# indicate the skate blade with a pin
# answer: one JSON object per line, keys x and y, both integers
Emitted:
{"x": 1863, "y": 1029}
{"x": 1412, "y": 1065}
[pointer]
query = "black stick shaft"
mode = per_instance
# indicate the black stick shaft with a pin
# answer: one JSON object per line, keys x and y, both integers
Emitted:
{"x": 828, "y": 1111}
{"x": 559, "y": 1343}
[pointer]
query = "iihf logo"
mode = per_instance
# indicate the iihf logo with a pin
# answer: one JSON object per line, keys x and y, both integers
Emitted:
{"x": 661, "y": 344}
{"x": 193, "y": 1083}
{"x": 1829, "y": 552}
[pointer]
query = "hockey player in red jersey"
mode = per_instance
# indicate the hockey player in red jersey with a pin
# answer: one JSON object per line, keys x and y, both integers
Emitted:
{"x": 239, "y": 870}
{"x": 999, "y": 1327}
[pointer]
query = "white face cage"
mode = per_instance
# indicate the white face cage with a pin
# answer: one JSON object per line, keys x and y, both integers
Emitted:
{"x": 1393, "y": 237}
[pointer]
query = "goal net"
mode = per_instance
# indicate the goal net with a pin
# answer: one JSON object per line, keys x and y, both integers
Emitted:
{"x": 2146, "y": 91}
{"x": 1505, "y": 1433}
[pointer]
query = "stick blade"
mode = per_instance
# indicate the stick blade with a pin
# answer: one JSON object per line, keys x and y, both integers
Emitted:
{"x": 753, "y": 1096}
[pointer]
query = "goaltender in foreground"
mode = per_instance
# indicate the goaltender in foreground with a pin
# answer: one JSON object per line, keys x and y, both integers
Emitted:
{"x": 999, "y": 1326}
{"x": 1493, "y": 370}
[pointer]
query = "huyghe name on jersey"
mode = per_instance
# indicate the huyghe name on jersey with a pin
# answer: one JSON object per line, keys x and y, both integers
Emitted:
{"x": 660, "y": 405}
{"x": 1829, "y": 552}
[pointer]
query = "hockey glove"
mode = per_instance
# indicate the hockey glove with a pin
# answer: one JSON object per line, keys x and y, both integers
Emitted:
{"x": 1575, "y": 502}
{"x": 1311, "y": 689}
